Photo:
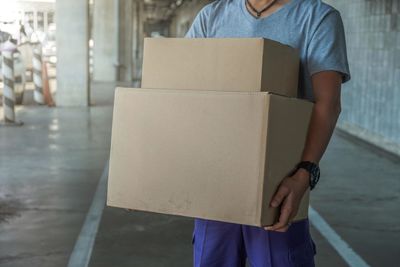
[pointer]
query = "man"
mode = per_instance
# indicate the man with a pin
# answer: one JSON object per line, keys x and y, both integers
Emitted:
{"x": 316, "y": 30}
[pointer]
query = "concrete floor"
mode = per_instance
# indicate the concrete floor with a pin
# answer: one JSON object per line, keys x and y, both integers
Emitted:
{"x": 49, "y": 169}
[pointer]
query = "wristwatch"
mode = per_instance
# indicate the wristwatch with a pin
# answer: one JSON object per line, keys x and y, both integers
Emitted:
{"x": 313, "y": 170}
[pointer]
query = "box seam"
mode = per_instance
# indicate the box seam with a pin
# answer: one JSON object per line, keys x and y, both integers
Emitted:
{"x": 262, "y": 163}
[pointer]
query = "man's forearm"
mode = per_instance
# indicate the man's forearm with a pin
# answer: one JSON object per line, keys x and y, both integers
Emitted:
{"x": 322, "y": 124}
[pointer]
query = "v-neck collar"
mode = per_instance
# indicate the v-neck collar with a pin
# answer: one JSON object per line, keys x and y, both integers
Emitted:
{"x": 251, "y": 18}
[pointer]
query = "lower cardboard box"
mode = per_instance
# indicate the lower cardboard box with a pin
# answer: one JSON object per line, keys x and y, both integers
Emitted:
{"x": 205, "y": 154}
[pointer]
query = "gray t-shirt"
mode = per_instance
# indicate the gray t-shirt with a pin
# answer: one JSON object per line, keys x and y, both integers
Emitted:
{"x": 311, "y": 26}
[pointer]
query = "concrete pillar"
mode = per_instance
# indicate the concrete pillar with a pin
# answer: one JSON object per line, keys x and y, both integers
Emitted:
{"x": 134, "y": 40}
{"x": 45, "y": 22}
{"x": 72, "y": 18}
{"x": 125, "y": 57}
{"x": 35, "y": 20}
{"x": 117, "y": 37}
{"x": 105, "y": 51}
{"x": 138, "y": 39}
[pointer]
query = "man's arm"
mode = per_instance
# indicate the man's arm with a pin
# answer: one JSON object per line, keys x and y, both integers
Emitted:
{"x": 326, "y": 111}
{"x": 327, "y": 89}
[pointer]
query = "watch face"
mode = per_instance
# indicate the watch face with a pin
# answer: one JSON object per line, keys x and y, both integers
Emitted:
{"x": 316, "y": 171}
{"x": 315, "y": 174}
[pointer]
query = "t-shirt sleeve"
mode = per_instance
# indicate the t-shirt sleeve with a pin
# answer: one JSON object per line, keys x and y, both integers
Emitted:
{"x": 199, "y": 25}
{"x": 327, "y": 48}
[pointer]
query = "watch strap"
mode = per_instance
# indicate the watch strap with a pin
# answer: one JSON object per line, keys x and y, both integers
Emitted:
{"x": 313, "y": 170}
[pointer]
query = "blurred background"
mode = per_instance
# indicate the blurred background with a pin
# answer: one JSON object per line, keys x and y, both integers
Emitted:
{"x": 55, "y": 144}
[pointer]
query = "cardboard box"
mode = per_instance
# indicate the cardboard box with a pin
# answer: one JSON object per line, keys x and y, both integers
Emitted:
{"x": 244, "y": 64}
{"x": 204, "y": 154}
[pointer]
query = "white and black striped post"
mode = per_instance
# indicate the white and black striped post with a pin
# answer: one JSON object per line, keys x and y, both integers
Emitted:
{"x": 37, "y": 74}
{"x": 7, "y": 68}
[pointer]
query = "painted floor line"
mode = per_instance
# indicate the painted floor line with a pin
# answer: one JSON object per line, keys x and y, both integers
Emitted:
{"x": 344, "y": 250}
{"x": 82, "y": 251}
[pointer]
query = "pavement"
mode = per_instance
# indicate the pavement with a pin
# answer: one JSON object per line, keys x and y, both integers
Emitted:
{"x": 50, "y": 168}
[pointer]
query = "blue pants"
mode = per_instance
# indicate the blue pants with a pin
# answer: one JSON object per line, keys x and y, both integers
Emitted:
{"x": 219, "y": 244}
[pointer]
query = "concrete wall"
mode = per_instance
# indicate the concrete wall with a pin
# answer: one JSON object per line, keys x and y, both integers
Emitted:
{"x": 371, "y": 101}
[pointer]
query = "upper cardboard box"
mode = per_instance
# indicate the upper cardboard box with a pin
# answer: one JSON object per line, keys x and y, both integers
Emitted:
{"x": 245, "y": 64}
{"x": 205, "y": 154}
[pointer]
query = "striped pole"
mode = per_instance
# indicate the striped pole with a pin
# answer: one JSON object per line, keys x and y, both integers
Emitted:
{"x": 19, "y": 78}
{"x": 8, "y": 88}
{"x": 37, "y": 74}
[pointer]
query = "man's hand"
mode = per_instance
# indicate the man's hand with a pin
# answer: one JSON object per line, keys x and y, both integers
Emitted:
{"x": 288, "y": 196}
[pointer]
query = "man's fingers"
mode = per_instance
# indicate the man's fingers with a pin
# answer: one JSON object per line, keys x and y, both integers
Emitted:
{"x": 286, "y": 211}
{"x": 283, "y": 229}
{"x": 279, "y": 196}
{"x": 283, "y": 219}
